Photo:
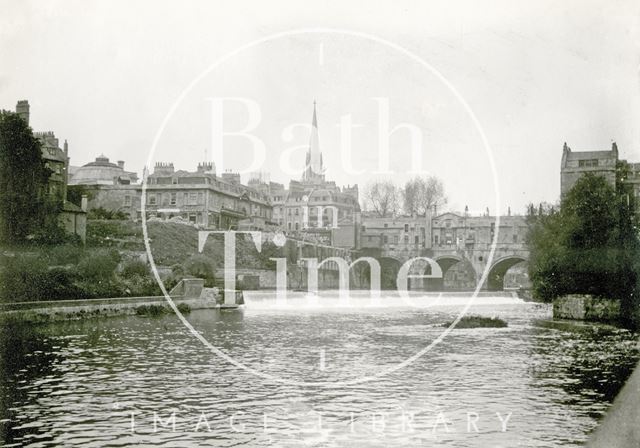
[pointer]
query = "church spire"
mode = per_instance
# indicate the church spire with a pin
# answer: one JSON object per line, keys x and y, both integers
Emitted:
{"x": 313, "y": 171}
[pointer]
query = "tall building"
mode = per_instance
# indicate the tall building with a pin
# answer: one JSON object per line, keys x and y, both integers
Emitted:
{"x": 574, "y": 164}
{"x": 314, "y": 170}
{"x": 313, "y": 207}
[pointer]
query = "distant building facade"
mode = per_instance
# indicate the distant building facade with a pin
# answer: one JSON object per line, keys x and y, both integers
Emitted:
{"x": 205, "y": 199}
{"x": 314, "y": 208}
{"x": 574, "y": 164}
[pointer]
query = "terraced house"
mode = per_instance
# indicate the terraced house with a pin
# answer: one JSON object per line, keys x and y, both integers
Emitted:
{"x": 205, "y": 199}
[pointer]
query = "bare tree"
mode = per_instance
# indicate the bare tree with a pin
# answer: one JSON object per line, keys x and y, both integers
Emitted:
{"x": 382, "y": 197}
{"x": 423, "y": 194}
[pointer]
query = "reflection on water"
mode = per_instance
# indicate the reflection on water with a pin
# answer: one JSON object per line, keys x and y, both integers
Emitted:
{"x": 86, "y": 383}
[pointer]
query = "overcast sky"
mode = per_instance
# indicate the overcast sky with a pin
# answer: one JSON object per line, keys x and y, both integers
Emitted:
{"x": 104, "y": 75}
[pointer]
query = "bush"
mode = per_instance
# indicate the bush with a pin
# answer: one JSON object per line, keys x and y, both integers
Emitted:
{"x": 184, "y": 308}
{"x": 150, "y": 310}
{"x": 133, "y": 268}
{"x": 28, "y": 278}
{"x": 200, "y": 266}
{"x": 99, "y": 266}
{"x": 478, "y": 322}
{"x": 102, "y": 213}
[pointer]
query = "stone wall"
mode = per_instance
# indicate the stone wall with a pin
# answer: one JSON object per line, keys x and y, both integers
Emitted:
{"x": 586, "y": 307}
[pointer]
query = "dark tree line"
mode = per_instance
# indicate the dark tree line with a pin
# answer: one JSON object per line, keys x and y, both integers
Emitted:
{"x": 590, "y": 245}
{"x": 25, "y": 207}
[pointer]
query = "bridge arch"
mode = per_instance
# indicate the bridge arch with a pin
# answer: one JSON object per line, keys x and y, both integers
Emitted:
{"x": 495, "y": 279}
{"x": 389, "y": 267}
{"x": 464, "y": 275}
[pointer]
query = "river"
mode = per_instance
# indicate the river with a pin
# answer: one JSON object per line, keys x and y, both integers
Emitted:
{"x": 116, "y": 382}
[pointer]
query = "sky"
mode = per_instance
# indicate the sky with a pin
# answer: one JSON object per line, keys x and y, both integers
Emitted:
{"x": 114, "y": 77}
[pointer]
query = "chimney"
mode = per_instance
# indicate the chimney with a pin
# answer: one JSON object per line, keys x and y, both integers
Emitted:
{"x": 22, "y": 109}
{"x": 121, "y": 164}
{"x": 83, "y": 203}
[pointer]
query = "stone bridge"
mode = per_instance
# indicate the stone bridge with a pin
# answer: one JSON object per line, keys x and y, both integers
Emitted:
{"x": 473, "y": 261}
{"x": 461, "y": 245}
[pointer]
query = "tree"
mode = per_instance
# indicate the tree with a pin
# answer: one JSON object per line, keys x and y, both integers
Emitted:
{"x": 383, "y": 197}
{"x": 421, "y": 195}
{"x": 24, "y": 205}
{"x": 590, "y": 246}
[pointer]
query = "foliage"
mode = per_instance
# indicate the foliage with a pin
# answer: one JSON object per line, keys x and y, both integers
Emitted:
{"x": 478, "y": 322}
{"x": 103, "y": 213}
{"x": 184, "y": 308}
{"x": 421, "y": 195}
{"x": 151, "y": 310}
{"x": 75, "y": 193}
{"x": 24, "y": 203}
{"x": 99, "y": 265}
{"x": 201, "y": 266}
{"x": 133, "y": 268}
{"x": 590, "y": 246}
{"x": 29, "y": 279}
{"x": 383, "y": 197}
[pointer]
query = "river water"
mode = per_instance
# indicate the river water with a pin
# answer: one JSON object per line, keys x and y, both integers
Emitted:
{"x": 117, "y": 381}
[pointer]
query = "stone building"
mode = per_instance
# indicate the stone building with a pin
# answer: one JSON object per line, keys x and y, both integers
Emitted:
{"x": 313, "y": 206}
{"x": 574, "y": 164}
{"x": 107, "y": 185}
{"x": 72, "y": 218}
{"x": 206, "y": 200}
{"x": 102, "y": 172}
{"x": 601, "y": 163}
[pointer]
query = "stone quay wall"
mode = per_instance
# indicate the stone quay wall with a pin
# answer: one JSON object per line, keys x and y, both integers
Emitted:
{"x": 586, "y": 307}
{"x": 188, "y": 291}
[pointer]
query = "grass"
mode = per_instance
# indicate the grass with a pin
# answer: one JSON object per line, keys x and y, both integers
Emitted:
{"x": 478, "y": 322}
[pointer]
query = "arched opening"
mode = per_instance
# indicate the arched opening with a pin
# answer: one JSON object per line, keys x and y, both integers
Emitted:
{"x": 457, "y": 275}
{"x": 389, "y": 268}
{"x": 517, "y": 277}
{"x": 497, "y": 273}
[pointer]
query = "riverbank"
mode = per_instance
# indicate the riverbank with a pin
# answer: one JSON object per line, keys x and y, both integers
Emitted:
{"x": 187, "y": 293}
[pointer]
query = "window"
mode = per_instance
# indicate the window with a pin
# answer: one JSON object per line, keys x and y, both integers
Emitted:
{"x": 152, "y": 199}
{"x": 297, "y": 226}
{"x": 515, "y": 237}
{"x": 406, "y": 227}
{"x": 173, "y": 198}
{"x": 174, "y": 180}
{"x": 386, "y": 225}
{"x": 386, "y": 239}
{"x": 435, "y": 239}
{"x": 406, "y": 239}
{"x": 588, "y": 162}
{"x": 127, "y": 200}
{"x": 200, "y": 198}
{"x": 417, "y": 239}
{"x": 193, "y": 198}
